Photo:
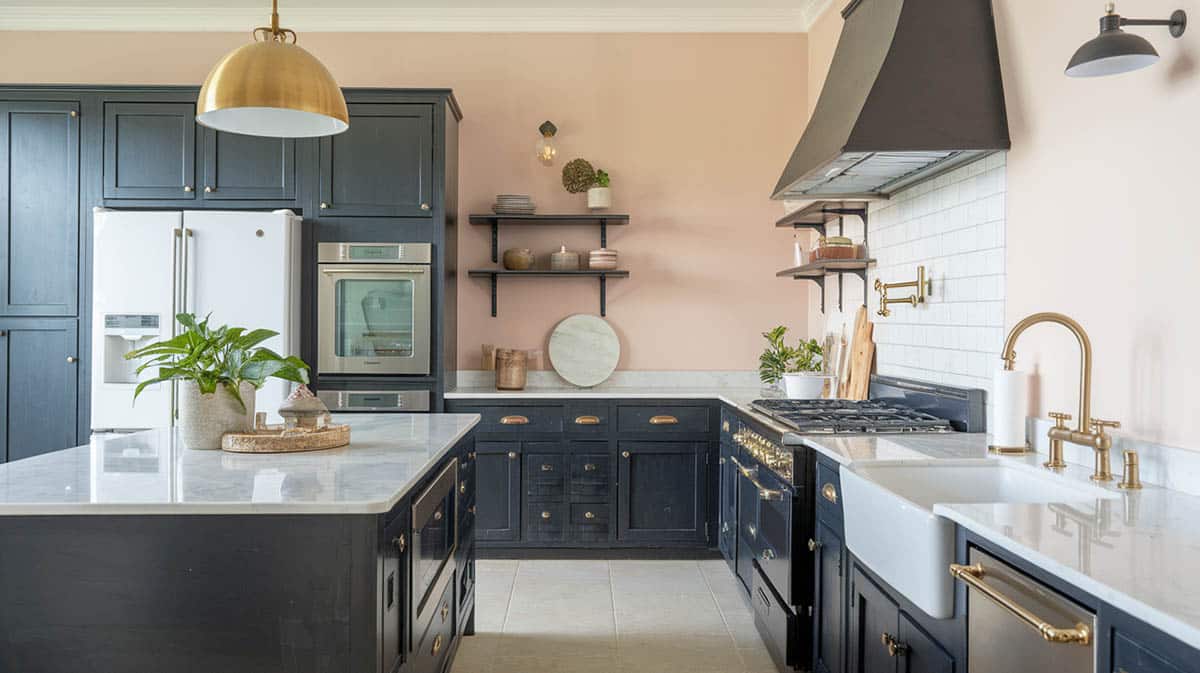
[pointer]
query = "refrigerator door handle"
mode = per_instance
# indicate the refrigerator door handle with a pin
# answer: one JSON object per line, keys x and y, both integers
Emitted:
{"x": 176, "y": 242}
{"x": 183, "y": 273}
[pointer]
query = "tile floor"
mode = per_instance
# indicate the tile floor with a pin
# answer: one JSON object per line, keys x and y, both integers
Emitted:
{"x": 579, "y": 616}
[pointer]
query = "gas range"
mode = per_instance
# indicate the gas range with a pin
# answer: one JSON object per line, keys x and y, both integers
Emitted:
{"x": 827, "y": 417}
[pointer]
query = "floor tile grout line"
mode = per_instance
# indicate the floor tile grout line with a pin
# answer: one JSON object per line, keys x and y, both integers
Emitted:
{"x": 725, "y": 620}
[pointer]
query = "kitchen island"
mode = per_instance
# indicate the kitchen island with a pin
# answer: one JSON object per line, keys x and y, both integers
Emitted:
{"x": 134, "y": 553}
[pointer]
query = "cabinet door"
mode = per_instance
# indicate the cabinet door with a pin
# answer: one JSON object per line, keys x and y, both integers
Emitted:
{"x": 39, "y": 208}
{"x": 393, "y": 548}
{"x": 727, "y": 523}
{"x": 150, "y": 151}
{"x": 922, "y": 654}
{"x": 382, "y": 166}
{"x": 829, "y": 622}
{"x": 248, "y": 167}
{"x": 873, "y": 618}
{"x": 498, "y": 491}
{"x": 38, "y": 386}
{"x": 661, "y": 492}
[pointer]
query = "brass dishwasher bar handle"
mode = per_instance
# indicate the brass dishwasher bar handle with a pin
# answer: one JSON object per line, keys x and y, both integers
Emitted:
{"x": 972, "y": 576}
{"x": 664, "y": 420}
{"x": 751, "y": 474}
{"x": 514, "y": 420}
{"x": 587, "y": 420}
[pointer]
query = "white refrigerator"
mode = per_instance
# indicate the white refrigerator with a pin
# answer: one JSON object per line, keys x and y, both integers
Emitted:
{"x": 241, "y": 267}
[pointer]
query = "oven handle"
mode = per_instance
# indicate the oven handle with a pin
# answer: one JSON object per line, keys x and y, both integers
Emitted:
{"x": 375, "y": 270}
{"x": 751, "y": 474}
{"x": 972, "y": 576}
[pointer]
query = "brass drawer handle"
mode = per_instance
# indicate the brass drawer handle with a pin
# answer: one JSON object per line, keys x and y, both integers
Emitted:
{"x": 589, "y": 467}
{"x": 589, "y": 515}
{"x": 547, "y": 467}
{"x": 587, "y": 420}
{"x": 664, "y": 420}
{"x": 972, "y": 576}
{"x": 829, "y": 493}
{"x": 445, "y": 611}
{"x": 512, "y": 455}
{"x": 545, "y": 515}
{"x": 437, "y": 645}
{"x": 514, "y": 420}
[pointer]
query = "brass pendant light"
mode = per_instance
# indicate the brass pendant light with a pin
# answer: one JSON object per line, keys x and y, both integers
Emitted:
{"x": 271, "y": 87}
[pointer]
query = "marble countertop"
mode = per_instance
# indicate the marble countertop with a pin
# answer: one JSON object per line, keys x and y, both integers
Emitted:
{"x": 152, "y": 473}
{"x": 1137, "y": 552}
{"x": 740, "y": 397}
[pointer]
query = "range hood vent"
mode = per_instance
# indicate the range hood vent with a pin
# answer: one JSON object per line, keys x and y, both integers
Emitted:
{"x": 914, "y": 90}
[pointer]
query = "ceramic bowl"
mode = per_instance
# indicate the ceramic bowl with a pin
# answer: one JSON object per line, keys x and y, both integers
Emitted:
{"x": 518, "y": 259}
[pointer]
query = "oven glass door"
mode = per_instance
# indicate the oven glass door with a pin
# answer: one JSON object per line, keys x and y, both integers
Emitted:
{"x": 374, "y": 319}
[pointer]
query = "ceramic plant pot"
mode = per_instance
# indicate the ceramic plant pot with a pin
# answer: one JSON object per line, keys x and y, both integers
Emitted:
{"x": 518, "y": 259}
{"x": 804, "y": 386}
{"x": 203, "y": 418}
{"x": 599, "y": 198}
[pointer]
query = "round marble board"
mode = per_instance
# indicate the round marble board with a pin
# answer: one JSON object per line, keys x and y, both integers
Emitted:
{"x": 584, "y": 350}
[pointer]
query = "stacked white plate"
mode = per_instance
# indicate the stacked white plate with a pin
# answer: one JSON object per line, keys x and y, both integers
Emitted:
{"x": 602, "y": 259}
{"x": 513, "y": 204}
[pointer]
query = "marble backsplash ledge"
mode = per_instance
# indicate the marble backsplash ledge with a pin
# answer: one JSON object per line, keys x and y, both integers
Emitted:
{"x": 742, "y": 379}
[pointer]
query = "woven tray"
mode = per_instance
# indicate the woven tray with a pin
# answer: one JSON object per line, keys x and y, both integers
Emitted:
{"x": 286, "y": 441}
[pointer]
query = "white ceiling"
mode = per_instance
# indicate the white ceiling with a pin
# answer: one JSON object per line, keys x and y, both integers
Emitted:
{"x": 682, "y": 16}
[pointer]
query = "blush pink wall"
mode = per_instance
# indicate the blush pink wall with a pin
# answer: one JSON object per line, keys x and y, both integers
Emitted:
{"x": 693, "y": 128}
{"x": 1097, "y": 225}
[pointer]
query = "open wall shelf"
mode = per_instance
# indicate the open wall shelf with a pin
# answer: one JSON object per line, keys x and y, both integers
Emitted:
{"x": 817, "y": 216}
{"x": 603, "y": 275}
{"x": 593, "y": 219}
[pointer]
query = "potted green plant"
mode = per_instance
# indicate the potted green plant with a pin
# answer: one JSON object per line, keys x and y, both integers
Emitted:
{"x": 799, "y": 367}
{"x": 600, "y": 196}
{"x": 218, "y": 370}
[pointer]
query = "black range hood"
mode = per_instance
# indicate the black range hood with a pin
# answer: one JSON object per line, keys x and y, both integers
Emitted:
{"x": 914, "y": 89}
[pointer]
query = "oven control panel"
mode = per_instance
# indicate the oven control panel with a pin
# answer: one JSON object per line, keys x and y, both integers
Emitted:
{"x": 766, "y": 451}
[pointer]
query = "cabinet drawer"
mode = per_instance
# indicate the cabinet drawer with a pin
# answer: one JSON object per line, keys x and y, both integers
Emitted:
{"x": 433, "y": 646}
{"x": 589, "y": 522}
{"x": 775, "y": 622}
{"x": 589, "y": 475}
{"x": 1131, "y": 657}
{"x": 662, "y": 420}
{"x": 545, "y": 476}
{"x": 586, "y": 419}
{"x": 545, "y": 522}
{"x": 829, "y": 492}
{"x": 514, "y": 420}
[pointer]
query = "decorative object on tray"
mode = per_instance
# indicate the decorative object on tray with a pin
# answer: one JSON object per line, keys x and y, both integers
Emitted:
{"x": 602, "y": 259}
{"x": 545, "y": 144}
{"x": 578, "y": 176}
{"x": 518, "y": 259}
{"x": 835, "y": 247}
{"x": 301, "y": 409}
{"x": 564, "y": 260}
{"x": 600, "y": 195}
{"x": 512, "y": 367}
{"x": 218, "y": 369}
{"x": 799, "y": 368}
{"x": 584, "y": 350}
{"x": 513, "y": 204}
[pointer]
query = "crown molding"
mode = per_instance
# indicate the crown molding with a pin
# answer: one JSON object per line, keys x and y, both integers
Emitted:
{"x": 811, "y": 10}
{"x": 394, "y": 19}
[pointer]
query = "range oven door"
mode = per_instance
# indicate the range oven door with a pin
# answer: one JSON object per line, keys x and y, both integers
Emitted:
{"x": 373, "y": 318}
{"x": 775, "y": 521}
{"x": 748, "y": 544}
{"x": 435, "y": 535}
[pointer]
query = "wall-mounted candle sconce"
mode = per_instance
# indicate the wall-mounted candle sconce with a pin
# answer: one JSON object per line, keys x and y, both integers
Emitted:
{"x": 924, "y": 288}
{"x": 545, "y": 145}
{"x": 1114, "y": 51}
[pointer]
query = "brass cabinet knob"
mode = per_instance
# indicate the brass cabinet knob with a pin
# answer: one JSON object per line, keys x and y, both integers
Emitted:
{"x": 3, "y": 332}
{"x": 437, "y": 516}
{"x": 768, "y": 554}
{"x": 187, "y": 188}
{"x": 445, "y": 611}
{"x": 663, "y": 420}
{"x": 73, "y": 113}
{"x": 813, "y": 545}
{"x": 471, "y": 509}
{"x": 894, "y": 647}
{"x": 71, "y": 359}
{"x": 589, "y": 467}
{"x": 471, "y": 455}
{"x": 546, "y": 467}
{"x": 722, "y": 460}
{"x": 512, "y": 455}
{"x": 462, "y": 488}
{"x": 424, "y": 206}
{"x": 324, "y": 205}
{"x": 400, "y": 543}
{"x": 545, "y": 515}
{"x": 437, "y": 645}
{"x": 589, "y": 515}
{"x": 624, "y": 454}
{"x": 829, "y": 493}
{"x": 209, "y": 189}
{"x": 724, "y": 426}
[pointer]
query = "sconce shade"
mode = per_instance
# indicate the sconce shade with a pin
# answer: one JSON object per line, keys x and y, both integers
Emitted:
{"x": 1111, "y": 52}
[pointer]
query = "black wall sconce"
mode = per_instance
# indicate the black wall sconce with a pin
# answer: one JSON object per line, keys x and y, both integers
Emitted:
{"x": 1114, "y": 51}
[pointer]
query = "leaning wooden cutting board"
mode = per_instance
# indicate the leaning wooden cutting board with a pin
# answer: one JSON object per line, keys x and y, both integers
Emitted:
{"x": 862, "y": 355}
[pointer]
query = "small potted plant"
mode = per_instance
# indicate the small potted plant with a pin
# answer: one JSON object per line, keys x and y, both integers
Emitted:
{"x": 799, "y": 368}
{"x": 218, "y": 370}
{"x": 600, "y": 196}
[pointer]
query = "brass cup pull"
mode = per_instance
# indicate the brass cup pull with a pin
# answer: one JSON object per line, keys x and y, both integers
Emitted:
{"x": 400, "y": 543}
{"x": 512, "y": 455}
{"x": 624, "y": 454}
{"x": 589, "y": 467}
{"x": 547, "y": 467}
{"x": 589, "y": 515}
{"x": 587, "y": 420}
{"x": 546, "y": 515}
{"x": 437, "y": 645}
{"x": 514, "y": 420}
{"x": 972, "y": 576}
{"x": 829, "y": 493}
{"x": 664, "y": 420}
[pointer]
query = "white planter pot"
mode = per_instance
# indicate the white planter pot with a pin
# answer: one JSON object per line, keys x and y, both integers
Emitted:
{"x": 804, "y": 386}
{"x": 204, "y": 418}
{"x": 600, "y": 197}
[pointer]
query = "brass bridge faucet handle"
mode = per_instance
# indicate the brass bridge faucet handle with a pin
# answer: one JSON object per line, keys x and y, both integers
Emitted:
{"x": 1103, "y": 446}
{"x": 1056, "y": 444}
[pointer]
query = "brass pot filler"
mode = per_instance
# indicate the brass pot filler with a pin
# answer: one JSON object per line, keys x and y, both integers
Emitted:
{"x": 924, "y": 288}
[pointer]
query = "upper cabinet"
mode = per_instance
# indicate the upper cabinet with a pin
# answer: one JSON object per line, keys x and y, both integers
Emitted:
{"x": 150, "y": 151}
{"x": 39, "y": 208}
{"x": 382, "y": 166}
{"x": 238, "y": 167}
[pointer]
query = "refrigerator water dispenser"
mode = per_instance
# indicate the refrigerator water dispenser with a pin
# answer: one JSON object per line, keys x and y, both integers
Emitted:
{"x": 125, "y": 332}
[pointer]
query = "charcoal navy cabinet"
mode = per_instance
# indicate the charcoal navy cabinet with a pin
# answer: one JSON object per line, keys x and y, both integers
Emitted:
{"x": 661, "y": 492}
{"x": 150, "y": 151}
{"x": 728, "y": 521}
{"x": 885, "y": 639}
{"x": 382, "y": 166}
{"x": 829, "y": 600}
{"x": 238, "y": 167}
{"x": 37, "y": 417}
{"x": 498, "y": 491}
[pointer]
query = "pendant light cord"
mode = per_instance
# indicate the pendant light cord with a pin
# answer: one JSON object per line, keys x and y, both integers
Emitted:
{"x": 273, "y": 32}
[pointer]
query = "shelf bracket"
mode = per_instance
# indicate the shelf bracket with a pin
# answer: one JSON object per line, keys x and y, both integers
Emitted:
{"x": 494, "y": 279}
{"x": 603, "y": 289}
{"x": 603, "y": 241}
{"x": 495, "y": 254}
{"x": 819, "y": 228}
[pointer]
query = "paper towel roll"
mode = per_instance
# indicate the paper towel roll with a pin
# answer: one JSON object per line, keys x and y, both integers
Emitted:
{"x": 1010, "y": 402}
